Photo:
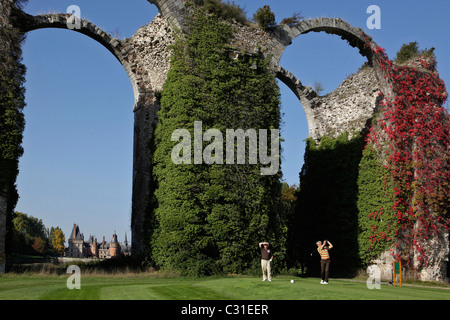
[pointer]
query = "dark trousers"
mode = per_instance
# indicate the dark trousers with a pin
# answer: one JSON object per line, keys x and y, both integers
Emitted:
{"x": 325, "y": 269}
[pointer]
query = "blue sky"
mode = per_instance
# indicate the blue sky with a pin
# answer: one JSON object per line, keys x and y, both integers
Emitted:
{"x": 78, "y": 140}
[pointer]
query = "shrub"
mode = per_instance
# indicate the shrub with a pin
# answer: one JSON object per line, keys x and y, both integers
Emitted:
{"x": 292, "y": 21}
{"x": 410, "y": 51}
{"x": 265, "y": 17}
{"x": 228, "y": 11}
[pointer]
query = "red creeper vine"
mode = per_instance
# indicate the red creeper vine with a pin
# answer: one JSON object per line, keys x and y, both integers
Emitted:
{"x": 413, "y": 131}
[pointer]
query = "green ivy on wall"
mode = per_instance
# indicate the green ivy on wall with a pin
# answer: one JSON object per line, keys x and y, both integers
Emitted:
{"x": 12, "y": 102}
{"x": 376, "y": 219}
{"x": 209, "y": 218}
{"x": 327, "y": 201}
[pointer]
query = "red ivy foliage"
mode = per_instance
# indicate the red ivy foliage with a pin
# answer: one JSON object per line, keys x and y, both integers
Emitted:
{"x": 415, "y": 138}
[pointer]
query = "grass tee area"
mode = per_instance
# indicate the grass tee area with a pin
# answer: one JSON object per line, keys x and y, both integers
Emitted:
{"x": 149, "y": 286}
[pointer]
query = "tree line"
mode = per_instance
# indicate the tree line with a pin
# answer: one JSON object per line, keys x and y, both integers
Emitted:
{"x": 30, "y": 236}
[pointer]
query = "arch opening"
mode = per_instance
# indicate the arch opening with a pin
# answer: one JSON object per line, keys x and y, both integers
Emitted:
{"x": 314, "y": 59}
{"x": 77, "y": 164}
{"x": 327, "y": 176}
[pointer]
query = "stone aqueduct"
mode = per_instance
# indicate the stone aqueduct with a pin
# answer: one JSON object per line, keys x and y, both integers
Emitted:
{"x": 145, "y": 58}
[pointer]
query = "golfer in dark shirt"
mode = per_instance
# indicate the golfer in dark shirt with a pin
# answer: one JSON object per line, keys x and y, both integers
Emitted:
{"x": 266, "y": 259}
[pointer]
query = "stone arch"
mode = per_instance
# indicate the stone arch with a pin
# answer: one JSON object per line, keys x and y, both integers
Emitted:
{"x": 145, "y": 103}
{"x": 306, "y": 95}
{"x": 117, "y": 47}
{"x": 354, "y": 36}
{"x": 172, "y": 10}
{"x": 144, "y": 107}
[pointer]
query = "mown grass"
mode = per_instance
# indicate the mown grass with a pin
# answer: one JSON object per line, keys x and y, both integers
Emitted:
{"x": 151, "y": 286}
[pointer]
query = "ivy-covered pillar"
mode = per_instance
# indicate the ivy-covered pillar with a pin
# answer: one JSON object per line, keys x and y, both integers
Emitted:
{"x": 12, "y": 77}
{"x": 407, "y": 162}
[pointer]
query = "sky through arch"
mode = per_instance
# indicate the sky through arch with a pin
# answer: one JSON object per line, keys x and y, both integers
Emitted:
{"x": 310, "y": 60}
{"x": 78, "y": 139}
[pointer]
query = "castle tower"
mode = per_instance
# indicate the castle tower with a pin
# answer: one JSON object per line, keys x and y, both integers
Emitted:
{"x": 93, "y": 246}
{"x": 114, "y": 247}
{"x": 76, "y": 240}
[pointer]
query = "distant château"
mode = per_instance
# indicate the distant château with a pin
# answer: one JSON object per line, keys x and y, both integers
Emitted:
{"x": 78, "y": 248}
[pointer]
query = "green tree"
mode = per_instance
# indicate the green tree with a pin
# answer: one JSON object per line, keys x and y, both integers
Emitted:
{"x": 29, "y": 225}
{"x": 226, "y": 10}
{"x": 411, "y": 50}
{"x": 26, "y": 229}
{"x": 286, "y": 239}
{"x": 265, "y": 17}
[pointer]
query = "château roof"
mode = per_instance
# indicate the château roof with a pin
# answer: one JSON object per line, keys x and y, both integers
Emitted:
{"x": 76, "y": 235}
